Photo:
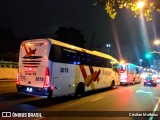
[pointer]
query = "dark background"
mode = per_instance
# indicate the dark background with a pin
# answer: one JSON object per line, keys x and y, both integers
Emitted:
{"x": 130, "y": 37}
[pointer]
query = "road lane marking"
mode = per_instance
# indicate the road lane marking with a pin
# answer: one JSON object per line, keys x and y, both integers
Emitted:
{"x": 142, "y": 91}
{"x": 97, "y": 99}
{"x": 155, "y": 108}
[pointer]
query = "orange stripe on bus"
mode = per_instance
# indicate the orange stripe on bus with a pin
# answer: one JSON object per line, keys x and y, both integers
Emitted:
{"x": 92, "y": 78}
{"x": 97, "y": 76}
{"x": 91, "y": 69}
{"x": 83, "y": 71}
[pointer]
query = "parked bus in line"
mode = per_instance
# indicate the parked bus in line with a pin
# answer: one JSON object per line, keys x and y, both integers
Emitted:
{"x": 129, "y": 73}
{"x": 50, "y": 68}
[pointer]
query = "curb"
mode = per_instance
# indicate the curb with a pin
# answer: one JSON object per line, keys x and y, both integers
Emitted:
{"x": 7, "y": 79}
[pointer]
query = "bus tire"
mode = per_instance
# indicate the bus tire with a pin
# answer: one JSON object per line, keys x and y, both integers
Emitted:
{"x": 121, "y": 83}
{"x": 79, "y": 90}
{"x": 49, "y": 95}
{"x": 113, "y": 84}
{"x": 134, "y": 81}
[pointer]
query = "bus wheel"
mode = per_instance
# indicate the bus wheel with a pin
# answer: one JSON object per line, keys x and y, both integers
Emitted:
{"x": 121, "y": 83}
{"x": 133, "y": 81}
{"x": 49, "y": 95}
{"x": 79, "y": 90}
{"x": 113, "y": 84}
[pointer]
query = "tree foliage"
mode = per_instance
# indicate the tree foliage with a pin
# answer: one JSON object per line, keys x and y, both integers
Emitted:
{"x": 144, "y": 8}
{"x": 70, "y": 35}
{"x": 9, "y": 45}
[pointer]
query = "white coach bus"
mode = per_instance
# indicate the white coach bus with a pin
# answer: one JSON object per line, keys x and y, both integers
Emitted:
{"x": 50, "y": 68}
{"x": 129, "y": 73}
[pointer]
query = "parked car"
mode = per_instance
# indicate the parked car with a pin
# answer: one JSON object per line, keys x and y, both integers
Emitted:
{"x": 158, "y": 80}
{"x": 149, "y": 81}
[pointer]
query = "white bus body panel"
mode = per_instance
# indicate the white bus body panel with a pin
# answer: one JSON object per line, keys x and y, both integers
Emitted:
{"x": 63, "y": 78}
{"x": 33, "y": 62}
{"x": 66, "y": 82}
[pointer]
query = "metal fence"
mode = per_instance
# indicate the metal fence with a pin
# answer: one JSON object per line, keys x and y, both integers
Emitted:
{"x": 6, "y": 64}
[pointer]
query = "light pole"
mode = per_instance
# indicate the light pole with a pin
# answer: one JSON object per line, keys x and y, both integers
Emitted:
{"x": 156, "y": 60}
{"x": 141, "y": 60}
{"x": 108, "y": 46}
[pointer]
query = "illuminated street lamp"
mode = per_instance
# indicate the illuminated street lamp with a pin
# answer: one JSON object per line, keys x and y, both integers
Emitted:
{"x": 139, "y": 7}
{"x": 122, "y": 62}
{"x": 141, "y": 60}
{"x": 140, "y": 4}
{"x": 108, "y": 46}
{"x": 157, "y": 42}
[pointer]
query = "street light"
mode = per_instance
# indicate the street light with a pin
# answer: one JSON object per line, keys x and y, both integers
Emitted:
{"x": 108, "y": 46}
{"x": 141, "y": 60}
{"x": 140, "y": 4}
{"x": 148, "y": 55}
{"x": 157, "y": 42}
{"x": 122, "y": 62}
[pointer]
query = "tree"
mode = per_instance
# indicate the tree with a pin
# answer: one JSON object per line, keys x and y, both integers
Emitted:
{"x": 139, "y": 7}
{"x": 9, "y": 45}
{"x": 70, "y": 35}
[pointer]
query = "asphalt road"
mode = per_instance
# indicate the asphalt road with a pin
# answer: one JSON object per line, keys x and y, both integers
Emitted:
{"x": 7, "y": 86}
{"x": 122, "y": 103}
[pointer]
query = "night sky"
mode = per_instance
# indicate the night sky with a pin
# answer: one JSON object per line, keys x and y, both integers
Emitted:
{"x": 129, "y": 37}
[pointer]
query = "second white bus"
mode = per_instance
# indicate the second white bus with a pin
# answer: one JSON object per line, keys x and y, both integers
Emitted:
{"x": 129, "y": 73}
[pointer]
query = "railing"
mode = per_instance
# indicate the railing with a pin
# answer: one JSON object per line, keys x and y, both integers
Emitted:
{"x": 6, "y": 64}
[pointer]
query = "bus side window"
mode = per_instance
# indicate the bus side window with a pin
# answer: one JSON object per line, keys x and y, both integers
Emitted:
{"x": 109, "y": 65}
{"x": 92, "y": 61}
{"x": 115, "y": 67}
{"x": 55, "y": 53}
{"x": 69, "y": 56}
{"x": 88, "y": 59}
{"x": 97, "y": 61}
{"x": 103, "y": 62}
{"x": 83, "y": 58}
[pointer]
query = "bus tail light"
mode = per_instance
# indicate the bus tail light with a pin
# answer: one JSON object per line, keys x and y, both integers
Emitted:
{"x": 46, "y": 79}
{"x": 17, "y": 81}
{"x": 30, "y": 69}
{"x": 154, "y": 81}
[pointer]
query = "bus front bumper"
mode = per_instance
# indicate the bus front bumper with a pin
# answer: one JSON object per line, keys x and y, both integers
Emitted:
{"x": 35, "y": 91}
